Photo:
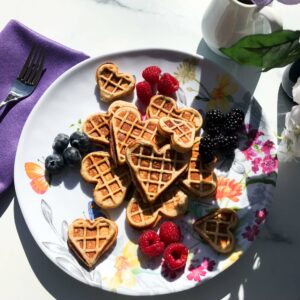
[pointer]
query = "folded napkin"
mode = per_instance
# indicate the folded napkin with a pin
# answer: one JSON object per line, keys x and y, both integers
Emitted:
{"x": 16, "y": 40}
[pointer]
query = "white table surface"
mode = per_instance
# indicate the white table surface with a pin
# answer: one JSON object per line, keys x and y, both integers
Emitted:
{"x": 271, "y": 267}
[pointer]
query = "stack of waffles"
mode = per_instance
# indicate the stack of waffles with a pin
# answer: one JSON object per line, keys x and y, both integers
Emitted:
{"x": 158, "y": 155}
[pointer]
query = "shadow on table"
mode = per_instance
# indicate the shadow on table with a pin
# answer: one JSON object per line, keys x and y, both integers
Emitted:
{"x": 252, "y": 277}
{"x": 6, "y": 199}
{"x": 247, "y": 76}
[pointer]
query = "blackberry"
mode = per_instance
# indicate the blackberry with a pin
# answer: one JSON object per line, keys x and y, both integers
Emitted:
{"x": 54, "y": 163}
{"x": 207, "y": 148}
{"x": 72, "y": 156}
{"x": 60, "y": 143}
{"x": 214, "y": 130}
{"x": 214, "y": 118}
{"x": 234, "y": 120}
{"x": 227, "y": 143}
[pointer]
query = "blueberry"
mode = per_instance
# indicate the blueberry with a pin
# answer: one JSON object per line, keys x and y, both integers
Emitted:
{"x": 80, "y": 141}
{"x": 60, "y": 143}
{"x": 72, "y": 156}
{"x": 54, "y": 163}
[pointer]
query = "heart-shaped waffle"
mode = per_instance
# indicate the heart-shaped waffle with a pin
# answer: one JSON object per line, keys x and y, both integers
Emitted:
{"x": 112, "y": 84}
{"x": 154, "y": 170}
{"x": 126, "y": 127}
{"x": 96, "y": 126}
{"x": 200, "y": 179}
{"x": 111, "y": 181}
{"x": 216, "y": 229}
{"x": 162, "y": 106}
{"x": 182, "y": 133}
{"x": 171, "y": 204}
{"x": 90, "y": 239}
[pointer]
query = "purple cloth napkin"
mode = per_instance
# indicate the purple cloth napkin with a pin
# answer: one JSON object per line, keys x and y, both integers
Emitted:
{"x": 16, "y": 41}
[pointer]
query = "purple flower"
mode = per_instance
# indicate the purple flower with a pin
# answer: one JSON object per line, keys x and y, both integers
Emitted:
{"x": 267, "y": 147}
{"x": 260, "y": 215}
{"x": 251, "y": 233}
{"x": 255, "y": 164}
{"x": 269, "y": 164}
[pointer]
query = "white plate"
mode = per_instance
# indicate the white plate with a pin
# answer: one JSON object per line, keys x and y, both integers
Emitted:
{"x": 246, "y": 184}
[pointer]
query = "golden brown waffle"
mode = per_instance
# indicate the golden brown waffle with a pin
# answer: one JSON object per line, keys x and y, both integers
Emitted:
{"x": 182, "y": 133}
{"x": 162, "y": 106}
{"x": 200, "y": 179}
{"x": 171, "y": 204}
{"x": 111, "y": 181}
{"x": 216, "y": 229}
{"x": 96, "y": 126}
{"x": 126, "y": 127}
{"x": 112, "y": 84}
{"x": 90, "y": 239}
{"x": 154, "y": 170}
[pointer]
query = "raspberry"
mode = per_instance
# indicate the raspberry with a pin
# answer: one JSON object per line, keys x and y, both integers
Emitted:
{"x": 151, "y": 74}
{"x": 169, "y": 233}
{"x": 144, "y": 91}
{"x": 167, "y": 84}
{"x": 150, "y": 243}
{"x": 175, "y": 256}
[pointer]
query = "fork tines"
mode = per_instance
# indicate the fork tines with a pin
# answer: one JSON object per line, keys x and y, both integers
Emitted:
{"x": 33, "y": 67}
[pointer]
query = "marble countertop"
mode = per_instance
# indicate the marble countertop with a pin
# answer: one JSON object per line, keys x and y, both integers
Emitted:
{"x": 271, "y": 267}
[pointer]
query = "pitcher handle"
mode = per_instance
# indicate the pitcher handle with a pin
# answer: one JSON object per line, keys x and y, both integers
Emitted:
{"x": 273, "y": 18}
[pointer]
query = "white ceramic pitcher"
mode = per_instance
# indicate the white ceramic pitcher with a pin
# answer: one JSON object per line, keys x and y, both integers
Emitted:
{"x": 226, "y": 21}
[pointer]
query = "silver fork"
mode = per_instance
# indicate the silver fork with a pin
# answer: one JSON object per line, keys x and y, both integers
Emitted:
{"x": 28, "y": 78}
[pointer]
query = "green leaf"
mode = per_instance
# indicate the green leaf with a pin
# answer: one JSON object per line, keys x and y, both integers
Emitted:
{"x": 266, "y": 51}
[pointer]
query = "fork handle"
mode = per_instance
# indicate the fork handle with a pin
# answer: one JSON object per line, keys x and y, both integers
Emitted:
{"x": 9, "y": 98}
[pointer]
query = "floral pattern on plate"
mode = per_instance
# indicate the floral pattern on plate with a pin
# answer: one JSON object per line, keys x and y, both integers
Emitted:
{"x": 245, "y": 184}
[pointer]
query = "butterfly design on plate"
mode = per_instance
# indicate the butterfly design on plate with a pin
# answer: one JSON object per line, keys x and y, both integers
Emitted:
{"x": 95, "y": 211}
{"x": 36, "y": 173}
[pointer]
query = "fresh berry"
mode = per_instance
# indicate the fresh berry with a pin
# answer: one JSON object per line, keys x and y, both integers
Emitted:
{"x": 72, "y": 156}
{"x": 214, "y": 120}
{"x": 227, "y": 143}
{"x": 150, "y": 243}
{"x": 214, "y": 129}
{"x": 144, "y": 92}
{"x": 175, "y": 256}
{"x": 169, "y": 233}
{"x": 151, "y": 74}
{"x": 167, "y": 84}
{"x": 54, "y": 163}
{"x": 234, "y": 120}
{"x": 60, "y": 143}
{"x": 80, "y": 140}
{"x": 207, "y": 148}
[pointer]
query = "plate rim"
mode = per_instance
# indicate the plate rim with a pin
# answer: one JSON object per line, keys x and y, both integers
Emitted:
{"x": 55, "y": 83}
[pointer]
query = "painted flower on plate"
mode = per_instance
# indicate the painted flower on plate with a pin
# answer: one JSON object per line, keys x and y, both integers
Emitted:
{"x": 250, "y": 233}
{"x": 228, "y": 189}
{"x": 186, "y": 71}
{"x": 260, "y": 215}
{"x": 127, "y": 266}
{"x": 221, "y": 95}
{"x": 199, "y": 271}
